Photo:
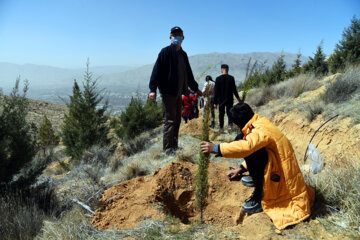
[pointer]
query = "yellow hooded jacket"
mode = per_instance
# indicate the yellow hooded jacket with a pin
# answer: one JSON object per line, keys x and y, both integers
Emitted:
{"x": 287, "y": 201}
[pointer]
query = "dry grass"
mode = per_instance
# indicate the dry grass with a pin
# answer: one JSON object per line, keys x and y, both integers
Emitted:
{"x": 186, "y": 156}
{"x": 72, "y": 224}
{"x": 133, "y": 170}
{"x": 338, "y": 195}
{"x": 291, "y": 88}
{"x": 22, "y": 212}
{"x": 343, "y": 95}
{"x": 314, "y": 109}
{"x": 343, "y": 87}
{"x": 141, "y": 142}
{"x": 294, "y": 87}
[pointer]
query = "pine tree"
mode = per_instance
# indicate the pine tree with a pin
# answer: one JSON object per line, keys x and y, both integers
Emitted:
{"x": 17, "y": 145}
{"x": 319, "y": 65}
{"x": 202, "y": 186}
{"x": 47, "y": 135}
{"x": 347, "y": 51}
{"x": 279, "y": 70}
{"x": 84, "y": 124}
{"x": 296, "y": 67}
{"x": 138, "y": 118}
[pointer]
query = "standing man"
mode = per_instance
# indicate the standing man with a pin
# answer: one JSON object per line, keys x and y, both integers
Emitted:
{"x": 224, "y": 90}
{"x": 208, "y": 90}
{"x": 172, "y": 74}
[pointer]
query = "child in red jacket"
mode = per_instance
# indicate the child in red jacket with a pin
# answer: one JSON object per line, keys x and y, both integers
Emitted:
{"x": 188, "y": 103}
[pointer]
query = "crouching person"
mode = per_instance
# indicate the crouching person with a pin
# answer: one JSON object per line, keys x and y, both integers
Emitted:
{"x": 280, "y": 189}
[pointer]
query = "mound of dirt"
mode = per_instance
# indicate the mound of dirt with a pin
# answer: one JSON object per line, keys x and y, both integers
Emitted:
{"x": 171, "y": 190}
{"x": 194, "y": 128}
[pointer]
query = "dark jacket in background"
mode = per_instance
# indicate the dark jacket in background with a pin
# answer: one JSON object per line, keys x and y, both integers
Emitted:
{"x": 165, "y": 72}
{"x": 224, "y": 89}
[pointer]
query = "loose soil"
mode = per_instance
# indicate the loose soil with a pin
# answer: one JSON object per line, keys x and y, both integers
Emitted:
{"x": 171, "y": 190}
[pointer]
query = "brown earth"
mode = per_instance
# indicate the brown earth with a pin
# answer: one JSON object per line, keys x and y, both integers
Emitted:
{"x": 171, "y": 190}
{"x": 55, "y": 113}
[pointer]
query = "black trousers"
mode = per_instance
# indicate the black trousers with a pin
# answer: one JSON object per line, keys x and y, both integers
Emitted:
{"x": 256, "y": 164}
{"x": 222, "y": 107}
{"x": 172, "y": 119}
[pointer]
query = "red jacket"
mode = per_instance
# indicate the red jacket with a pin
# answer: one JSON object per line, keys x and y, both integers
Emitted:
{"x": 188, "y": 101}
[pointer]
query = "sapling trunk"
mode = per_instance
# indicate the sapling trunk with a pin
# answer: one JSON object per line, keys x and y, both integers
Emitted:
{"x": 202, "y": 186}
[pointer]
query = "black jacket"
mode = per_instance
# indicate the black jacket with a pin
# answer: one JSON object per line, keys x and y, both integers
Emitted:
{"x": 224, "y": 89}
{"x": 165, "y": 74}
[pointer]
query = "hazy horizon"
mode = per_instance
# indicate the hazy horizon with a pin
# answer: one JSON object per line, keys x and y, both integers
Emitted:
{"x": 65, "y": 33}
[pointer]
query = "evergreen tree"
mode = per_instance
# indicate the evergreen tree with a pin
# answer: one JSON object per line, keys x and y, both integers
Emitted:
{"x": 17, "y": 145}
{"x": 47, "y": 135}
{"x": 277, "y": 72}
{"x": 138, "y": 118}
{"x": 84, "y": 124}
{"x": 202, "y": 186}
{"x": 296, "y": 67}
{"x": 319, "y": 65}
{"x": 347, "y": 51}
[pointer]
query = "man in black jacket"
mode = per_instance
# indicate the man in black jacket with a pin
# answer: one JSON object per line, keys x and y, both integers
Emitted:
{"x": 224, "y": 90}
{"x": 172, "y": 74}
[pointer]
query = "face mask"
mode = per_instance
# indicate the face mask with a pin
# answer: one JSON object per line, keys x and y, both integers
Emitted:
{"x": 177, "y": 40}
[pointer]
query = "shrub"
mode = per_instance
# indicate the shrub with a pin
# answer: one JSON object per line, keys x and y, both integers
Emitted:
{"x": 133, "y": 170}
{"x": 22, "y": 212}
{"x": 17, "y": 144}
{"x": 265, "y": 96}
{"x": 314, "y": 109}
{"x": 300, "y": 84}
{"x": 342, "y": 87}
{"x": 84, "y": 124}
{"x": 47, "y": 136}
{"x": 138, "y": 118}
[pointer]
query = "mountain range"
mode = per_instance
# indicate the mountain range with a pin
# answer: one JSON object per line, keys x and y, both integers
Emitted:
{"x": 121, "y": 82}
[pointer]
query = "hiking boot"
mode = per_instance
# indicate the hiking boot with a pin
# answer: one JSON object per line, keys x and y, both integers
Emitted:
{"x": 253, "y": 205}
{"x": 247, "y": 181}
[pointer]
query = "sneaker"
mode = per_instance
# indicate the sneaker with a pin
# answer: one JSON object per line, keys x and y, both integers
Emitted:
{"x": 253, "y": 205}
{"x": 247, "y": 181}
{"x": 212, "y": 125}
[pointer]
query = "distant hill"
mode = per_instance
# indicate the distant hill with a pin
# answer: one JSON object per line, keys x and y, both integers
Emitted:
{"x": 237, "y": 67}
{"x": 121, "y": 82}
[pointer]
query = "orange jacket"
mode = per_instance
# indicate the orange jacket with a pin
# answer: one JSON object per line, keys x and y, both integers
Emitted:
{"x": 289, "y": 200}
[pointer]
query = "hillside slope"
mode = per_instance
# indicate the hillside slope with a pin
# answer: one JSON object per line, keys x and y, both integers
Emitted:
{"x": 152, "y": 196}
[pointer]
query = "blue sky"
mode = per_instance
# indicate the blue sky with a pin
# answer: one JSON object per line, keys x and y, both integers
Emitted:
{"x": 64, "y": 33}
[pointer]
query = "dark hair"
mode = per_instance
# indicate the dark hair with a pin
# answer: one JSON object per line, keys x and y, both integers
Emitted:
{"x": 225, "y": 66}
{"x": 208, "y": 77}
{"x": 241, "y": 114}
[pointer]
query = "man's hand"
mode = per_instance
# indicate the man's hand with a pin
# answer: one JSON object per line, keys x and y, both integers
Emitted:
{"x": 207, "y": 147}
{"x": 234, "y": 173}
{"x": 199, "y": 93}
{"x": 152, "y": 96}
{"x": 215, "y": 106}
